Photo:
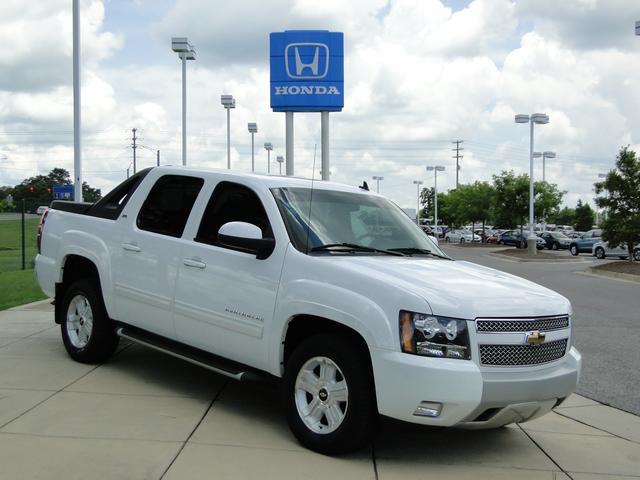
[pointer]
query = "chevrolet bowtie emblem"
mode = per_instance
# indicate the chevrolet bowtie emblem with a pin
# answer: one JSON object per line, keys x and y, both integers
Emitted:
{"x": 534, "y": 338}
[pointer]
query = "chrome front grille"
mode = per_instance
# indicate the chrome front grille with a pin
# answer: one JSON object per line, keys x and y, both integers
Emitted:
{"x": 522, "y": 355}
{"x": 544, "y": 324}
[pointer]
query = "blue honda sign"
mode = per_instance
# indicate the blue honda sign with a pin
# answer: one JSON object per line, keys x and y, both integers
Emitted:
{"x": 63, "y": 192}
{"x": 307, "y": 71}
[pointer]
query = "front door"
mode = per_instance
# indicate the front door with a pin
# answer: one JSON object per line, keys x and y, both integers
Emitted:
{"x": 225, "y": 298}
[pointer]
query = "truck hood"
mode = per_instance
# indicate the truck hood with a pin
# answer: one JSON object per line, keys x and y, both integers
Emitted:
{"x": 457, "y": 288}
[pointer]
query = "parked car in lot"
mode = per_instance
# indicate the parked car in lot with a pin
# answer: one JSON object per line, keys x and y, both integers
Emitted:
{"x": 555, "y": 240}
{"x": 330, "y": 290}
{"x": 461, "y": 236}
{"x": 518, "y": 240}
{"x": 41, "y": 209}
{"x": 602, "y": 250}
{"x": 585, "y": 243}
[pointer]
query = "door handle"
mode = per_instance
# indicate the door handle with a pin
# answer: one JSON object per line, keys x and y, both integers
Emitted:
{"x": 190, "y": 262}
{"x": 129, "y": 247}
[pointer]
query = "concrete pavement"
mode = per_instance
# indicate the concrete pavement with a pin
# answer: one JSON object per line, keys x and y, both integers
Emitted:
{"x": 145, "y": 415}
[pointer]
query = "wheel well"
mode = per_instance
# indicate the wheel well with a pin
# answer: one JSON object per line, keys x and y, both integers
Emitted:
{"x": 301, "y": 327}
{"x": 77, "y": 267}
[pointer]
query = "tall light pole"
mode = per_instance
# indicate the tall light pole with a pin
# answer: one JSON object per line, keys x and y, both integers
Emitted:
{"x": 377, "y": 179}
{"x": 541, "y": 119}
{"x": 185, "y": 51}
{"x": 544, "y": 156}
{"x": 280, "y": 160}
{"x": 253, "y": 129}
{"x": 228, "y": 102}
{"x": 268, "y": 146}
{"x": 435, "y": 169}
{"x": 417, "y": 183}
{"x": 77, "y": 151}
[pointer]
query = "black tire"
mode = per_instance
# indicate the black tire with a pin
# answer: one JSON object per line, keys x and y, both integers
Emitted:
{"x": 500, "y": 242}
{"x": 522, "y": 244}
{"x": 574, "y": 250}
{"x": 102, "y": 340}
{"x": 360, "y": 416}
{"x": 600, "y": 253}
{"x": 636, "y": 255}
{"x": 554, "y": 246}
{"x": 462, "y": 240}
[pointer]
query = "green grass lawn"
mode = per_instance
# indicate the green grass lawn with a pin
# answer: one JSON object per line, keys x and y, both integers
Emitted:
{"x": 10, "y": 244}
{"x": 17, "y": 288}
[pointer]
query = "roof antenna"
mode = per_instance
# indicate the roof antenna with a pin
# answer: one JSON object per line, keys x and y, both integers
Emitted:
{"x": 364, "y": 186}
{"x": 313, "y": 175}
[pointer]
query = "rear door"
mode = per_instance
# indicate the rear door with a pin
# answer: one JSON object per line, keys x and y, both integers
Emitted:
{"x": 147, "y": 254}
{"x": 226, "y": 298}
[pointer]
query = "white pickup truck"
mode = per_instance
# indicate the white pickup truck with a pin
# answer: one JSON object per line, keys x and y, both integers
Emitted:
{"x": 330, "y": 289}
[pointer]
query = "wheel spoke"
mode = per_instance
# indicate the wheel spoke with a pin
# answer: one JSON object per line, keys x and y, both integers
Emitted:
{"x": 316, "y": 410}
{"x": 334, "y": 415}
{"x": 339, "y": 392}
{"x": 327, "y": 372}
{"x": 308, "y": 382}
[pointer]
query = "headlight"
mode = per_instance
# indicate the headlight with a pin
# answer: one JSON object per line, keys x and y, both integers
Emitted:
{"x": 434, "y": 336}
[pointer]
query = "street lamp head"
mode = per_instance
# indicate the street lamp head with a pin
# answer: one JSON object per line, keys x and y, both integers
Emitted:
{"x": 548, "y": 154}
{"x": 253, "y": 127}
{"x": 537, "y": 154}
{"x": 418, "y": 182}
{"x": 440, "y": 169}
{"x": 268, "y": 146}
{"x": 228, "y": 101}
{"x": 430, "y": 168}
{"x": 376, "y": 177}
{"x": 522, "y": 118}
{"x": 180, "y": 44}
{"x": 540, "y": 118}
{"x": 280, "y": 159}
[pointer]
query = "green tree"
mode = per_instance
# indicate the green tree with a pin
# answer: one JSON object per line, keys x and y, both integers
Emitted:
{"x": 38, "y": 190}
{"x": 621, "y": 202}
{"x": 584, "y": 217}
{"x": 566, "y": 216}
{"x": 426, "y": 200}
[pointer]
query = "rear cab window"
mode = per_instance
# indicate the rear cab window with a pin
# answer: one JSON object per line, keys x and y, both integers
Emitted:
{"x": 167, "y": 207}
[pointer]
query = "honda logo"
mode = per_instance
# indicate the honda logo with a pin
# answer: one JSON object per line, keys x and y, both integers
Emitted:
{"x": 306, "y": 60}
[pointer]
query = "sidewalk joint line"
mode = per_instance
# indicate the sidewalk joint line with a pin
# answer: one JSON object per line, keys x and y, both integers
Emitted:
{"x": 373, "y": 458}
{"x": 544, "y": 451}
{"x": 597, "y": 428}
{"x": 184, "y": 444}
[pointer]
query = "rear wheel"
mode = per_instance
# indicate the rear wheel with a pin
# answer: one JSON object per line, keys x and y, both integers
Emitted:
{"x": 600, "y": 253}
{"x": 87, "y": 331}
{"x": 462, "y": 240}
{"x": 574, "y": 250}
{"x": 554, "y": 246}
{"x": 328, "y": 395}
{"x": 636, "y": 255}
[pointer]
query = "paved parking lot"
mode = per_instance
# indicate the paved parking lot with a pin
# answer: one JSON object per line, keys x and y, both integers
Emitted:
{"x": 145, "y": 415}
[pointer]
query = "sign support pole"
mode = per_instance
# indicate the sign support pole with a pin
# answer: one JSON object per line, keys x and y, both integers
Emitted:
{"x": 289, "y": 143}
{"x": 324, "y": 145}
{"x": 77, "y": 151}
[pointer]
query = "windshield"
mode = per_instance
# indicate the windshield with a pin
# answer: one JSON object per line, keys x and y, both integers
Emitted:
{"x": 559, "y": 235}
{"x": 345, "y": 217}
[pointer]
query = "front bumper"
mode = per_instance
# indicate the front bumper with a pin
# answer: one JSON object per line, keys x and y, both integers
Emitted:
{"x": 471, "y": 396}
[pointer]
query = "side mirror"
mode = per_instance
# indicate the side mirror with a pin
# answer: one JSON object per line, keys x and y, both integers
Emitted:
{"x": 246, "y": 237}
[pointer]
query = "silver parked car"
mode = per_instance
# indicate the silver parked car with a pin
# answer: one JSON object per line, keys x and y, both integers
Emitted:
{"x": 602, "y": 250}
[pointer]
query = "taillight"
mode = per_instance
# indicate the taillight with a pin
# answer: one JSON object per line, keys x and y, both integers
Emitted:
{"x": 41, "y": 228}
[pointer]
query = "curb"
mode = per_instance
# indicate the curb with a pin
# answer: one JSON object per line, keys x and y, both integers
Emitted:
{"x": 540, "y": 260}
{"x": 616, "y": 275}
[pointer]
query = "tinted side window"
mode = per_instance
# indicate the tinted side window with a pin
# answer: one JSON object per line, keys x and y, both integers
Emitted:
{"x": 232, "y": 202}
{"x": 168, "y": 205}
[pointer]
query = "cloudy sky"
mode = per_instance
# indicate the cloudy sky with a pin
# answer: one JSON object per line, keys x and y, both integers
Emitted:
{"x": 418, "y": 74}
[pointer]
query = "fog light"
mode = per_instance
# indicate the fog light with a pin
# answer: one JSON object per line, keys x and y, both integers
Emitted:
{"x": 428, "y": 409}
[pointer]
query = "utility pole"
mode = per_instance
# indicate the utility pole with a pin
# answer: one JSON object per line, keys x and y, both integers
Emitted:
{"x": 458, "y": 157}
{"x": 134, "y": 146}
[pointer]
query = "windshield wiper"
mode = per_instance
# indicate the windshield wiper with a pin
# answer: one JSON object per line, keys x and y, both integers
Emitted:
{"x": 425, "y": 251}
{"x": 354, "y": 247}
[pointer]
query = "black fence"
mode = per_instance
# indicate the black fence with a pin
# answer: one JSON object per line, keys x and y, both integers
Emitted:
{"x": 18, "y": 228}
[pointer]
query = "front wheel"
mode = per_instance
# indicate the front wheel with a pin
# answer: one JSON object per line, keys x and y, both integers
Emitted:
{"x": 636, "y": 255}
{"x": 462, "y": 240}
{"x": 600, "y": 253}
{"x": 329, "y": 396}
{"x": 87, "y": 331}
{"x": 574, "y": 250}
